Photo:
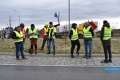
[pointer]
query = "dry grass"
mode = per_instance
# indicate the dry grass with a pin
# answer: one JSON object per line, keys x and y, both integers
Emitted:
{"x": 61, "y": 46}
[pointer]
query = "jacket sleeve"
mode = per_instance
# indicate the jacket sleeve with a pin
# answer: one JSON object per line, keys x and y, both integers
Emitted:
{"x": 56, "y": 25}
{"x": 42, "y": 32}
{"x": 91, "y": 30}
{"x": 14, "y": 36}
{"x": 70, "y": 35}
{"x": 102, "y": 34}
{"x": 112, "y": 33}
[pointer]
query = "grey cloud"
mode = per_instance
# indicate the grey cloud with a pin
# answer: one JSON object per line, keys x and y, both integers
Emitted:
{"x": 38, "y": 11}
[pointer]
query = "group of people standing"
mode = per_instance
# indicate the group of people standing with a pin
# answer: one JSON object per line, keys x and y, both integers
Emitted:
{"x": 49, "y": 34}
{"x": 88, "y": 34}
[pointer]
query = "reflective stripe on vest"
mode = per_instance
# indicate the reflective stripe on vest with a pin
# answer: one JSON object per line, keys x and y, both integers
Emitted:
{"x": 75, "y": 34}
{"x": 34, "y": 31}
{"x": 45, "y": 31}
{"x": 87, "y": 33}
{"x": 51, "y": 30}
{"x": 107, "y": 33}
{"x": 18, "y": 35}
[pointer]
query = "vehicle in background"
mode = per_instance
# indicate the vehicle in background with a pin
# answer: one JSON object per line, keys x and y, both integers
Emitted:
{"x": 6, "y": 32}
{"x": 63, "y": 31}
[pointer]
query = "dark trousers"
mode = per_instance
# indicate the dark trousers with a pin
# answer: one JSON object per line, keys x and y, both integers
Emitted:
{"x": 73, "y": 44}
{"x": 23, "y": 40}
{"x": 44, "y": 41}
{"x": 19, "y": 48}
{"x": 107, "y": 49}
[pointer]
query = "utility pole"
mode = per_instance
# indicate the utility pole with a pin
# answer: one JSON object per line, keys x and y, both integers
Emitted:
{"x": 69, "y": 15}
{"x": 10, "y": 21}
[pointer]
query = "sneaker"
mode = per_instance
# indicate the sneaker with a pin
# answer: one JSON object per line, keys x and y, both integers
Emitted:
{"x": 72, "y": 56}
{"x": 104, "y": 61}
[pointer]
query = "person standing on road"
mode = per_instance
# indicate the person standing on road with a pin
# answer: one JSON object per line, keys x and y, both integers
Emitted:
{"x": 33, "y": 35}
{"x": 23, "y": 31}
{"x": 18, "y": 39}
{"x": 44, "y": 35}
{"x": 87, "y": 35}
{"x": 105, "y": 36}
{"x": 74, "y": 39}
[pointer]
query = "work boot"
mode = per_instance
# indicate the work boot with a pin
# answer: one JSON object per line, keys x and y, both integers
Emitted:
{"x": 48, "y": 52}
{"x": 85, "y": 56}
{"x": 110, "y": 61}
{"x": 88, "y": 57}
{"x": 31, "y": 51}
{"x": 72, "y": 56}
{"x": 24, "y": 58}
{"x": 104, "y": 61}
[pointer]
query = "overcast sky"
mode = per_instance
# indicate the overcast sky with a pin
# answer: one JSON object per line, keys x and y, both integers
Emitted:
{"x": 41, "y": 11}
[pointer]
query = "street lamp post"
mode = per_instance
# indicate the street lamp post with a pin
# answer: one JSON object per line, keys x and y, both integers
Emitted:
{"x": 19, "y": 15}
{"x": 69, "y": 15}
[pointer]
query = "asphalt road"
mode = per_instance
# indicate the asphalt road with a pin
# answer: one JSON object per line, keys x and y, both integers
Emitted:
{"x": 55, "y": 73}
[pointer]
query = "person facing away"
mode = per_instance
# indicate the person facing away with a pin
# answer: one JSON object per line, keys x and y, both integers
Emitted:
{"x": 18, "y": 39}
{"x": 33, "y": 35}
{"x": 87, "y": 36}
{"x": 105, "y": 36}
{"x": 74, "y": 39}
{"x": 44, "y": 35}
{"x": 23, "y": 31}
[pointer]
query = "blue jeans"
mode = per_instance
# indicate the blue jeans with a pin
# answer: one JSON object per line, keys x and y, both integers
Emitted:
{"x": 49, "y": 40}
{"x": 19, "y": 48}
{"x": 88, "y": 46}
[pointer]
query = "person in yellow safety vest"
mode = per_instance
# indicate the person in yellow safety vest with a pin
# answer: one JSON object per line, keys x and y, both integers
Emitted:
{"x": 44, "y": 35}
{"x": 33, "y": 35}
{"x": 23, "y": 31}
{"x": 105, "y": 36}
{"x": 18, "y": 39}
{"x": 51, "y": 33}
{"x": 74, "y": 39}
{"x": 88, "y": 34}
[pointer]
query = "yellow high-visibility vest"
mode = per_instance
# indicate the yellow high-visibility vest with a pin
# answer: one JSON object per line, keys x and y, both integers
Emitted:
{"x": 87, "y": 33}
{"x": 34, "y": 31}
{"x": 52, "y": 31}
{"x": 18, "y": 35}
{"x": 75, "y": 34}
{"x": 107, "y": 33}
{"x": 45, "y": 31}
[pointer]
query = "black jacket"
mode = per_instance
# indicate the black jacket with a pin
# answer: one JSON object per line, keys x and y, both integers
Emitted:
{"x": 102, "y": 32}
{"x": 14, "y": 35}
